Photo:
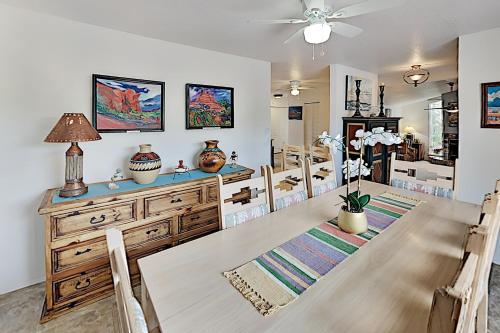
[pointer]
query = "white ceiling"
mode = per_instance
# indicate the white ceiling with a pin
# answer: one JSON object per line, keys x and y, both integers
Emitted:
{"x": 420, "y": 32}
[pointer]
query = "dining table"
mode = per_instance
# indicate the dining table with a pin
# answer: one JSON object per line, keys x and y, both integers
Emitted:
{"x": 385, "y": 286}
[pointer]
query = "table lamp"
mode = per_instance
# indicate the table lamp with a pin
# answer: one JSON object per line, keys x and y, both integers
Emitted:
{"x": 74, "y": 128}
{"x": 410, "y": 134}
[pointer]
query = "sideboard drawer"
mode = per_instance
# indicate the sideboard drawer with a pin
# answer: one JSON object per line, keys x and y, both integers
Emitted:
{"x": 212, "y": 193}
{"x": 157, "y": 205}
{"x": 75, "y": 255}
{"x": 199, "y": 220}
{"x": 82, "y": 284}
{"x": 82, "y": 221}
{"x": 152, "y": 232}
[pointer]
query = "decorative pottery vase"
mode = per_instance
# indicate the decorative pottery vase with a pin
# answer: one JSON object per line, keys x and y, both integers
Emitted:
{"x": 145, "y": 165}
{"x": 353, "y": 223}
{"x": 211, "y": 159}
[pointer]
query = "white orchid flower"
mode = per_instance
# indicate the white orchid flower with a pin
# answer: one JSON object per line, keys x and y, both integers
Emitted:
{"x": 378, "y": 130}
{"x": 354, "y": 168}
{"x": 359, "y": 133}
{"x": 335, "y": 143}
{"x": 356, "y": 144}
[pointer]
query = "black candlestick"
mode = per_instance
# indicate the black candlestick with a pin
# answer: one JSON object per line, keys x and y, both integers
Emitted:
{"x": 358, "y": 114}
{"x": 381, "y": 113}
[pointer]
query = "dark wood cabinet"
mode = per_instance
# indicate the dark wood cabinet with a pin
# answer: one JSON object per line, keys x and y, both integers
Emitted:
{"x": 379, "y": 156}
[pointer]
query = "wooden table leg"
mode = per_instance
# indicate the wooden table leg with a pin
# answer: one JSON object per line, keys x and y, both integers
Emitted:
{"x": 147, "y": 308}
{"x": 482, "y": 315}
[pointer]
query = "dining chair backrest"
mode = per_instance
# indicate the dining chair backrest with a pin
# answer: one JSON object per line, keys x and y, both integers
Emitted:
{"x": 321, "y": 177}
{"x": 319, "y": 154}
{"x": 291, "y": 156}
{"x": 450, "y": 304}
{"x": 243, "y": 201}
{"x": 286, "y": 188}
{"x": 422, "y": 176}
{"x": 130, "y": 316}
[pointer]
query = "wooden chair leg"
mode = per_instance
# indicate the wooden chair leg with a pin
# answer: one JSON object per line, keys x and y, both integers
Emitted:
{"x": 482, "y": 315}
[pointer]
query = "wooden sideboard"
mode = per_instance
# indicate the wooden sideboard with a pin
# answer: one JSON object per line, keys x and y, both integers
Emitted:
{"x": 378, "y": 157}
{"x": 153, "y": 217}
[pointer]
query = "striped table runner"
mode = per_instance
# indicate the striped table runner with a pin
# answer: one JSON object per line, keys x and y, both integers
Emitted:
{"x": 276, "y": 278}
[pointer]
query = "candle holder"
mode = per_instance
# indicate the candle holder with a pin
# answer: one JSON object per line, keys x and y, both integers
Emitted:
{"x": 357, "y": 113}
{"x": 381, "y": 90}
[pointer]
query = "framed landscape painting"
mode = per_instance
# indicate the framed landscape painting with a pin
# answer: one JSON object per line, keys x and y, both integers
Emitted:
{"x": 295, "y": 113}
{"x": 490, "y": 113}
{"x": 209, "y": 106}
{"x": 125, "y": 105}
{"x": 365, "y": 97}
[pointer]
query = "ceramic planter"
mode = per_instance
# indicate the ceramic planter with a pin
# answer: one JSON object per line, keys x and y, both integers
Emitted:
{"x": 353, "y": 223}
{"x": 211, "y": 159}
{"x": 145, "y": 165}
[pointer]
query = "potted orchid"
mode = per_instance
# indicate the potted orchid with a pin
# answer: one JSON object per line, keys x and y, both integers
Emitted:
{"x": 352, "y": 217}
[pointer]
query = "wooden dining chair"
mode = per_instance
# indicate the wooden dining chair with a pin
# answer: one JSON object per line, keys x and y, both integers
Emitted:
{"x": 286, "y": 188}
{"x": 422, "y": 176}
{"x": 319, "y": 154}
{"x": 130, "y": 315}
{"x": 450, "y": 304}
{"x": 291, "y": 156}
{"x": 482, "y": 241}
{"x": 320, "y": 177}
{"x": 243, "y": 201}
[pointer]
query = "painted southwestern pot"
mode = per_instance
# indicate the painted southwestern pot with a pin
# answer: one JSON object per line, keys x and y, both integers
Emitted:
{"x": 211, "y": 159}
{"x": 145, "y": 165}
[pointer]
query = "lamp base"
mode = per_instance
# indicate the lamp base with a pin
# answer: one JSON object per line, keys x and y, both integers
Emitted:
{"x": 73, "y": 190}
{"x": 74, "y": 185}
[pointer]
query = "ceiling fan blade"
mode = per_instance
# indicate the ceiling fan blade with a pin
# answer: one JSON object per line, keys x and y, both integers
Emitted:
{"x": 283, "y": 21}
{"x": 366, "y": 7}
{"x": 298, "y": 32}
{"x": 345, "y": 29}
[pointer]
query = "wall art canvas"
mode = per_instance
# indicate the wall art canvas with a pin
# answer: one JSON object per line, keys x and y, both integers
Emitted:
{"x": 209, "y": 106}
{"x": 365, "y": 96}
{"x": 123, "y": 104}
{"x": 490, "y": 113}
{"x": 295, "y": 112}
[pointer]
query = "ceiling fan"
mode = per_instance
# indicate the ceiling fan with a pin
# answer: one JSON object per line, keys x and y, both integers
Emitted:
{"x": 452, "y": 107}
{"x": 317, "y": 14}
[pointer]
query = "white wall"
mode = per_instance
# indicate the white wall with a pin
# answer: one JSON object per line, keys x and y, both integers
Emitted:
{"x": 479, "y": 152}
{"x": 414, "y": 115}
{"x": 337, "y": 102}
{"x": 46, "y": 65}
{"x": 292, "y": 131}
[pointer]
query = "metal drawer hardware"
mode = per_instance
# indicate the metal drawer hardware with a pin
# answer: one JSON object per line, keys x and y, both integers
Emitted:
{"x": 176, "y": 200}
{"x": 94, "y": 219}
{"x": 195, "y": 217}
{"x": 150, "y": 231}
{"x": 82, "y": 252}
{"x": 80, "y": 286}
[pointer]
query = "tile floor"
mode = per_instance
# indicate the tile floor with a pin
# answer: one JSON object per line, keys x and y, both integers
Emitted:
{"x": 20, "y": 311}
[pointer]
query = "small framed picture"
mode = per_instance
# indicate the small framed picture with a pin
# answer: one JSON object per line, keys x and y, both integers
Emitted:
{"x": 295, "y": 112}
{"x": 122, "y": 104}
{"x": 490, "y": 111}
{"x": 209, "y": 106}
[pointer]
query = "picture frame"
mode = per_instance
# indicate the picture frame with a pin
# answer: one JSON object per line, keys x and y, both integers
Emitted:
{"x": 490, "y": 106}
{"x": 365, "y": 97}
{"x": 295, "y": 113}
{"x": 209, "y": 106}
{"x": 121, "y": 104}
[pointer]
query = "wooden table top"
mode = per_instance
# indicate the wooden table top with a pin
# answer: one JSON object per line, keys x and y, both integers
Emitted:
{"x": 386, "y": 286}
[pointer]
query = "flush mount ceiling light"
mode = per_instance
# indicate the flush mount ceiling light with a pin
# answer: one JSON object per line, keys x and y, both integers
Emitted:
{"x": 317, "y": 33}
{"x": 416, "y": 75}
{"x": 278, "y": 95}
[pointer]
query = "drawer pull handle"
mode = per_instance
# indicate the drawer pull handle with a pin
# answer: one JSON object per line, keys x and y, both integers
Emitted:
{"x": 95, "y": 220}
{"x": 78, "y": 253}
{"x": 194, "y": 218}
{"x": 152, "y": 231}
{"x": 176, "y": 200}
{"x": 80, "y": 285}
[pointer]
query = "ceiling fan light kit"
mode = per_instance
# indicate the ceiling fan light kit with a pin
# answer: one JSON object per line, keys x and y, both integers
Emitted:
{"x": 416, "y": 75}
{"x": 317, "y": 33}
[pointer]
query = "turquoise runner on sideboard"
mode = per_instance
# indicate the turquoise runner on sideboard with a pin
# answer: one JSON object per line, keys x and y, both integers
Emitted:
{"x": 101, "y": 189}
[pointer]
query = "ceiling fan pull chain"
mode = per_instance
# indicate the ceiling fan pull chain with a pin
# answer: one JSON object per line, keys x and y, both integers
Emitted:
{"x": 313, "y": 52}
{"x": 323, "y": 52}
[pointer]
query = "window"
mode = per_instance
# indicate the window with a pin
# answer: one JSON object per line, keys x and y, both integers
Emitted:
{"x": 436, "y": 128}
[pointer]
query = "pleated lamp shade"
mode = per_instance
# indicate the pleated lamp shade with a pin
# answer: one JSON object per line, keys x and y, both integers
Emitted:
{"x": 73, "y": 127}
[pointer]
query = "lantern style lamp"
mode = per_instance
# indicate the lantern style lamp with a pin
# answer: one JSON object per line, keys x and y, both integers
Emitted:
{"x": 74, "y": 128}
